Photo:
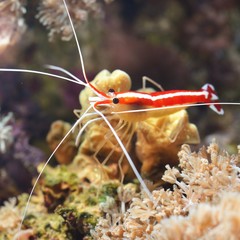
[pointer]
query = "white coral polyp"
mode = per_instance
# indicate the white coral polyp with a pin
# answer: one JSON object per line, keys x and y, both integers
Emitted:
{"x": 6, "y": 136}
{"x": 9, "y": 215}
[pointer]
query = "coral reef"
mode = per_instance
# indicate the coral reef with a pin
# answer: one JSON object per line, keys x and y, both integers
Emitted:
{"x": 65, "y": 205}
{"x": 80, "y": 201}
{"x": 181, "y": 44}
{"x": 82, "y": 198}
{"x": 203, "y": 202}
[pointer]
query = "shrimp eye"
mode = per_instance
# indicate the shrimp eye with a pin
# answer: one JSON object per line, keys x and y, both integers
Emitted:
{"x": 115, "y": 100}
{"x": 111, "y": 90}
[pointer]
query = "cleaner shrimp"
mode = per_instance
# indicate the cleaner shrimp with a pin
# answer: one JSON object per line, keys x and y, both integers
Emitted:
{"x": 129, "y": 106}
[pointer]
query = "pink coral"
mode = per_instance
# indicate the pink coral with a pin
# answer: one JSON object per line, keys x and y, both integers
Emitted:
{"x": 52, "y": 14}
{"x": 12, "y": 24}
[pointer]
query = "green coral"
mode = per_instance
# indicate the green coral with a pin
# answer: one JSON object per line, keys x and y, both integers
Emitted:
{"x": 72, "y": 204}
{"x": 81, "y": 209}
{"x": 79, "y": 223}
{"x": 59, "y": 174}
{"x": 48, "y": 226}
{"x": 108, "y": 190}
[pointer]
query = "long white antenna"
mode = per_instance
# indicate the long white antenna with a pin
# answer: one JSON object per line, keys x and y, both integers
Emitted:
{"x": 176, "y": 106}
{"x": 42, "y": 73}
{"x": 46, "y": 163}
{"x": 76, "y": 40}
{"x": 145, "y": 188}
{"x": 83, "y": 128}
{"x": 66, "y": 72}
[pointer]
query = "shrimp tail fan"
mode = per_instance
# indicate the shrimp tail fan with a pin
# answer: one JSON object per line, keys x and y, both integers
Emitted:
{"x": 213, "y": 98}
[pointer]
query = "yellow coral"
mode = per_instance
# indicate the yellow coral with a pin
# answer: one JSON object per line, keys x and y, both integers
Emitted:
{"x": 103, "y": 81}
{"x": 67, "y": 150}
{"x": 159, "y": 140}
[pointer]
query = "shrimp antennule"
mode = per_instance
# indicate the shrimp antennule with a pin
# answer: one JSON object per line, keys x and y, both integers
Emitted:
{"x": 77, "y": 81}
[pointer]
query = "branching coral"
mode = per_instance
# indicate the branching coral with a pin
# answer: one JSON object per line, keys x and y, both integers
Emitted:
{"x": 206, "y": 221}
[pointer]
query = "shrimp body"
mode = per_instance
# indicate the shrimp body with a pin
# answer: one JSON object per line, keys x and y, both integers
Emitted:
{"x": 164, "y": 102}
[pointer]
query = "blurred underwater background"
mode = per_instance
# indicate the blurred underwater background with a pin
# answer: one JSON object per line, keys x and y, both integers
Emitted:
{"x": 179, "y": 44}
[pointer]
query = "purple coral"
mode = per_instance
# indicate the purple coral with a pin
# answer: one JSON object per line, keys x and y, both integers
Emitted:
{"x": 18, "y": 159}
